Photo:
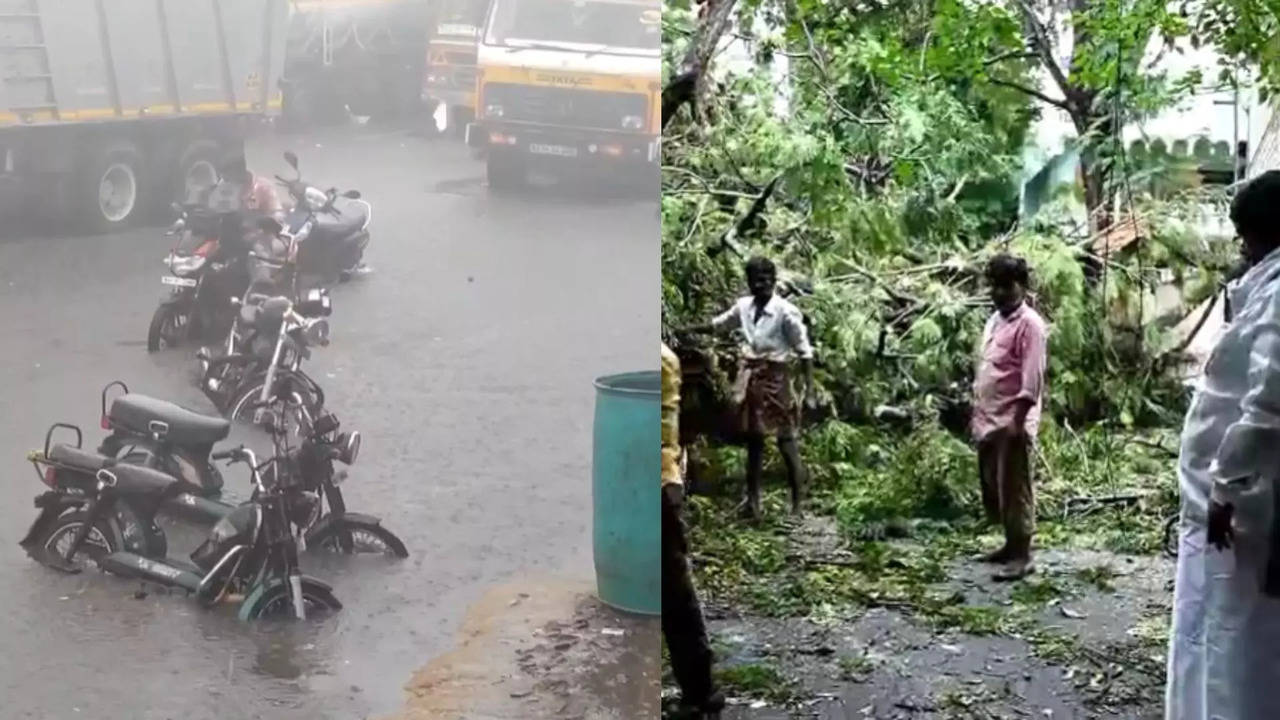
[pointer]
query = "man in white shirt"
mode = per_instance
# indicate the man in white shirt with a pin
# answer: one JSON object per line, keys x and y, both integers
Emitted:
{"x": 774, "y": 336}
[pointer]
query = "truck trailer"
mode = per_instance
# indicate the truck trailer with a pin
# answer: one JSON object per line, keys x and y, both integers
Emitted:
{"x": 111, "y": 110}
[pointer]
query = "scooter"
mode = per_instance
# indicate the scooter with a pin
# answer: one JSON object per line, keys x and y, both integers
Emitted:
{"x": 94, "y": 498}
{"x": 251, "y": 555}
{"x": 332, "y": 228}
{"x": 158, "y": 434}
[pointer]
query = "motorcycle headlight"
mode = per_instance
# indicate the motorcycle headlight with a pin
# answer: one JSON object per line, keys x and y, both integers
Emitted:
{"x": 186, "y": 264}
{"x": 351, "y": 448}
{"x": 317, "y": 332}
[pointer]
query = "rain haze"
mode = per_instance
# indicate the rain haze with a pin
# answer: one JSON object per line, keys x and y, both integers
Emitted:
{"x": 390, "y": 244}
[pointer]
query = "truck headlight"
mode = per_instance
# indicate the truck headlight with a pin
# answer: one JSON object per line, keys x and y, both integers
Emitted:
{"x": 493, "y": 111}
{"x": 632, "y": 122}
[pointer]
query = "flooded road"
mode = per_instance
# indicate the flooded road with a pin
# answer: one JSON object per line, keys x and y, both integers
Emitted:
{"x": 466, "y": 360}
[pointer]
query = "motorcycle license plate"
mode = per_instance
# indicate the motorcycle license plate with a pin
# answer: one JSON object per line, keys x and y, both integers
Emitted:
{"x": 177, "y": 281}
{"x": 557, "y": 150}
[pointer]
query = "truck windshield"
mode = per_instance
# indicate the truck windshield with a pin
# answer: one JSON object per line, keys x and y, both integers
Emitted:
{"x": 593, "y": 25}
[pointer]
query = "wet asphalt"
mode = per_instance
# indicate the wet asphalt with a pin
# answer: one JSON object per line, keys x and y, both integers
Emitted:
{"x": 466, "y": 360}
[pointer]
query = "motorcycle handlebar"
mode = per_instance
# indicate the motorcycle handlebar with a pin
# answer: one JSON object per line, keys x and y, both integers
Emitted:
{"x": 227, "y": 454}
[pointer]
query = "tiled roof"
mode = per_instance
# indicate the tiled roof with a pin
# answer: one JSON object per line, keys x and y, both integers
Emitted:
{"x": 1121, "y": 234}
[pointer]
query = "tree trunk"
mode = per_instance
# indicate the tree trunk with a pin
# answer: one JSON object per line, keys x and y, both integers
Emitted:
{"x": 1097, "y": 198}
{"x": 691, "y": 83}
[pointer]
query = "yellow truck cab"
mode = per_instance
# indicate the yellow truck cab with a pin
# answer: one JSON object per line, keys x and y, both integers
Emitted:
{"x": 449, "y": 78}
{"x": 568, "y": 81}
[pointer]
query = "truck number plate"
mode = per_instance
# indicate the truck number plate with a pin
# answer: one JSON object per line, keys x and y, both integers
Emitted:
{"x": 177, "y": 281}
{"x": 557, "y": 150}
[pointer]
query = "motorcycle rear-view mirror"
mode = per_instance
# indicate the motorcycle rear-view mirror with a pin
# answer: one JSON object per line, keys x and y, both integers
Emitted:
{"x": 291, "y": 158}
{"x": 351, "y": 194}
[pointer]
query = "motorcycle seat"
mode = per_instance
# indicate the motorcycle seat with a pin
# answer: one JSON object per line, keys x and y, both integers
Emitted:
{"x": 354, "y": 215}
{"x": 264, "y": 312}
{"x": 79, "y": 458}
{"x": 186, "y": 427}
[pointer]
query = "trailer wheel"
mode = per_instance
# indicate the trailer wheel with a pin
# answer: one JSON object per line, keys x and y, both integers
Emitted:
{"x": 197, "y": 170}
{"x": 111, "y": 189}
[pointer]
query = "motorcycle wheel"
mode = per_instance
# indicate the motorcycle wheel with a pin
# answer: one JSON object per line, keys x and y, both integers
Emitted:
{"x": 278, "y": 603}
{"x": 1171, "y": 537}
{"x": 351, "y": 537}
{"x": 242, "y": 407}
{"x": 102, "y": 540}
{"x": 168, "y": 325}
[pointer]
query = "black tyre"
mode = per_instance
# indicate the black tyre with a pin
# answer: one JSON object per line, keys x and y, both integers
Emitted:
{"x": 197, "y": 170}
{"x": 102, "y": 540}
{"x": 111, "y": 192}
{"x": 505, "y": 171}
{"x": 276, "y": 603}
{"x": 168, "y": 328}
{"x": 354, "y": 537}
{"x": 1171, "y": 537}
{"x": 243, "y": 409}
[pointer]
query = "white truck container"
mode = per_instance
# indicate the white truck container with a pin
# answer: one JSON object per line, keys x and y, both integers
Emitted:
{"x": 112, "y": 109}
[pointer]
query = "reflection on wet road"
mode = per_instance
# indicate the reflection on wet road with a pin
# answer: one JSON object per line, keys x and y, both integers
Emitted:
{"x": 466, "y": 361}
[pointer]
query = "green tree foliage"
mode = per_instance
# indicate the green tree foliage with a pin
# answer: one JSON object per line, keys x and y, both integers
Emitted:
{"x": 898, "y": 168}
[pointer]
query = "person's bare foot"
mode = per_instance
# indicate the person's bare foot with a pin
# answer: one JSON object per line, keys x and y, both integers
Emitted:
{"x": 1015, "y": 570}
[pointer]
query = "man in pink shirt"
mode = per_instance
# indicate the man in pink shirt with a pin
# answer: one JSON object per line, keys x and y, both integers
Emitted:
{"x": 1006, "y": 412}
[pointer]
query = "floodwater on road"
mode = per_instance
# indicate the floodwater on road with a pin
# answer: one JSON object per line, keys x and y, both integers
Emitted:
{"x": 466, "y": 360}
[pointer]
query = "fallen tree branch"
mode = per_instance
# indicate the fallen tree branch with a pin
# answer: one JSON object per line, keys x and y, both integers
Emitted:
{"x": 728, "y": 241}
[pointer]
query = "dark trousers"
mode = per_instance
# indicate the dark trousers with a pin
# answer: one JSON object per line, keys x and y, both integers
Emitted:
{"x": 682, "y": 624}
{"x": 1004, "y": 463}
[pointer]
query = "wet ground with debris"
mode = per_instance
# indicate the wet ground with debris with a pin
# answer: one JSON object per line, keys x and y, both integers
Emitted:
{"x": 886, "y": 663}
{"x": 542, "y": 650}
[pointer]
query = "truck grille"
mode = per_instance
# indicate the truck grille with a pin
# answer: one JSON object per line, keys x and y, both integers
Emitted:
{"x": 465, "y": 76}
{"x": 566, "y": 106}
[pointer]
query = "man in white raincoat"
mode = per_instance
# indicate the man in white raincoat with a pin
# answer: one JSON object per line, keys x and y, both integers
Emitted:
{"x": 1224, "y": 649}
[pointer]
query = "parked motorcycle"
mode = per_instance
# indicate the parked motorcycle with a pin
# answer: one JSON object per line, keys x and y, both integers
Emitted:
{"x": 331, "y": 228}
{"x": 250, "y": 555}
{"x": 71, "y": 473}
{"x": 158, "y": 434}
{"x": 312, "y": 463}
{"x": 207, "y": 267}
{"x": 271, "y": 338}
